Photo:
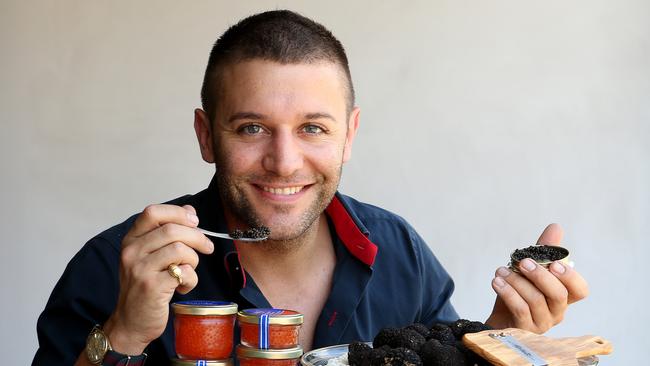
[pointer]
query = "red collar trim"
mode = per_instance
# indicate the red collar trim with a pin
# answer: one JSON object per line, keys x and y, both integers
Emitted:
{"x": 353, "y": 239}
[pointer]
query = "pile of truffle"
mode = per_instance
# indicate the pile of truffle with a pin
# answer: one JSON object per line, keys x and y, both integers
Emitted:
{"x": 261, "y": 232}
{"x": 417, "y": 345}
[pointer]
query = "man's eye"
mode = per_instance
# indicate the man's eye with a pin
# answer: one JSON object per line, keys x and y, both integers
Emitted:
{"x": 312, "y": 129}
{"x": 251, "y": 129}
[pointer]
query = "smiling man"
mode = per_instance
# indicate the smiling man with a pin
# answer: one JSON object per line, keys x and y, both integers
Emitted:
{"x": 278, "y": 122}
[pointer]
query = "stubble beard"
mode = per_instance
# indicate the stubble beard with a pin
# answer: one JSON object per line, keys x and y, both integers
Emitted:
{"x": 285, "y": 238}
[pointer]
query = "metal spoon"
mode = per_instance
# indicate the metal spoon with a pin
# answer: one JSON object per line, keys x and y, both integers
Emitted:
{"x": 227, "y": 236}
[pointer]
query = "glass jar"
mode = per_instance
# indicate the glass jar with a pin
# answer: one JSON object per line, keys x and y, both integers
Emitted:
{"x": 204, "y": 329}
{"x": 248, "y": 356}
{"x": 269, "y": 328}
{"x": 184, "y": 362}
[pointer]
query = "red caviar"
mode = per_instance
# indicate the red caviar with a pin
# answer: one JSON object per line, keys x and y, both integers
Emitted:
{"x": 278, "y": 327}
{"x": 280, "y": 336}
{"x": 268, "y": 357}
{"x": 204, "y": 329}
{"x": 266, "y": 362}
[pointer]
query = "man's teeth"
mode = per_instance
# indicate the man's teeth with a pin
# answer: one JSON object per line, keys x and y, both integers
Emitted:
{"x": 284, "y": 191}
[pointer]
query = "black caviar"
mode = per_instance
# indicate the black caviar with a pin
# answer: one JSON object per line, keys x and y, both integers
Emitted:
{"x": 236, "y": 234}
{"x": 260, "y": 232}
{"x": 540, "y": 253}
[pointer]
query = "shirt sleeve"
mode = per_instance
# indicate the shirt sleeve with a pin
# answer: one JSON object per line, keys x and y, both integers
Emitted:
{"x": 84, "y": 296}
{"x": 437, "y": 286}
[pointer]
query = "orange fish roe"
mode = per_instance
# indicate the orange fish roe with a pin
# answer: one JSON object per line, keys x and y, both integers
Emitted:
{"x": 268, "y": 357}
{"x": 204, "y": 329}
{"x": 266, "y": 362}
{"x": 277, "y": 328}
{"x": 280, "y": 336}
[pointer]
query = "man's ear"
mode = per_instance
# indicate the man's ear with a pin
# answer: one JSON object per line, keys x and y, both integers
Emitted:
{"x": 204, "y": 135}
{"x": 353, "y": 126}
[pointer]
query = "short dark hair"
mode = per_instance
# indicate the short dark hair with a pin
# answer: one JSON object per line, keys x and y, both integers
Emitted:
{"x": 281, "y": 36}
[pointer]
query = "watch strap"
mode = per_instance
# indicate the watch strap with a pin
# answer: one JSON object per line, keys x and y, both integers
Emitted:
{"x": 113, "y": 358}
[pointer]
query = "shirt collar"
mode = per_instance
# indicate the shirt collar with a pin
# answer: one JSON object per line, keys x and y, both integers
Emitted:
{"x": 351, "y": 230}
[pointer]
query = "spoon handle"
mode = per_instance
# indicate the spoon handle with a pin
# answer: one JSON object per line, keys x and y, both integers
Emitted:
{"x": 226, "y": 236}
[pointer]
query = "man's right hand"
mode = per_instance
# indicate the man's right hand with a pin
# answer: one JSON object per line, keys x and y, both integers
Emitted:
{"x": 161, "y": 235}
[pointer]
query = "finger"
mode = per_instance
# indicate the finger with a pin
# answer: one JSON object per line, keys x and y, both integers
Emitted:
{"x": 174, "y": 253}
{"x": 190, "y": 279}
{"x": 169, "y": 233}
{"x": 542, "y": 282}
{"x": 517, "y": 306}
{"x": 552, "y": 235}
{"x": 190, "y": 209}
{"x": 535, "y": 300}
{"x": 154, "y": 216}
{"x": 575, "y": 284}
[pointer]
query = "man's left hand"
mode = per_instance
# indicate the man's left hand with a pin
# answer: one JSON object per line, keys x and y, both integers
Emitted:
{"x": 536, "y": 298}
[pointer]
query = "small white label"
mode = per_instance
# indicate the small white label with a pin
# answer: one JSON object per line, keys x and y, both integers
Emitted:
{"x": 524, "y": 351}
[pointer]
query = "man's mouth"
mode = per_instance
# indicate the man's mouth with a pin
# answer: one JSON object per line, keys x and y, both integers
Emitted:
{"x": 284, "y": 191}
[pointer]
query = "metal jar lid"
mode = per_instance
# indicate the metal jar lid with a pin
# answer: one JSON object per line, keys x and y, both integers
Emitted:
{"x": 275, "y": 316}
{"x": 183, "y": 362}
{"x": 202, "y": 307}
{"x": 269, "y": 354}
{"x": 561, "y": 253}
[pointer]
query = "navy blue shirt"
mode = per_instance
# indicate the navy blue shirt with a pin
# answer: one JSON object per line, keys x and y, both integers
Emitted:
{"x": 385, "y": 276}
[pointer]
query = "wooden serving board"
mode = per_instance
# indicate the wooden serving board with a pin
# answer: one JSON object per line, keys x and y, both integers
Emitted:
{"x": 502, "y": 347}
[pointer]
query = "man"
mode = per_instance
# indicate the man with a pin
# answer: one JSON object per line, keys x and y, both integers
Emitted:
{"x": 278, "y": 121}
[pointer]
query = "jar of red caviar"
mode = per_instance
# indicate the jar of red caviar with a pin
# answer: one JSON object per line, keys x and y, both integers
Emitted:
{"x": 248, "y": 356}
{"x": 269, "y": 328}
{"x": 204, "y": 329}
{"x": 182, "y": 362}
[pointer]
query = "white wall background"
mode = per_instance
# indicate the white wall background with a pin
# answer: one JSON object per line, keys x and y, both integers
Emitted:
{"x": 482, "y": 121}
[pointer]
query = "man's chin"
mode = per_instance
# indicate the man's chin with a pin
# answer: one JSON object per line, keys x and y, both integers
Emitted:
{"x": 283, "y": 234}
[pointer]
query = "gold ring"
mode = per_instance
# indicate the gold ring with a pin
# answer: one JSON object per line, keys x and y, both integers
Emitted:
{"x": 175, "y": 271}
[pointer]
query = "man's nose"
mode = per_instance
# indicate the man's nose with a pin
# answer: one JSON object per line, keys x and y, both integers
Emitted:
{"x": 284, "y": 155}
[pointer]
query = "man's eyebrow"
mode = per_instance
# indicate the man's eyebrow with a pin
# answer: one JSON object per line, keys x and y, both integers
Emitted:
{"x": 245, "y": 115}
{"x": 319, "y": 115}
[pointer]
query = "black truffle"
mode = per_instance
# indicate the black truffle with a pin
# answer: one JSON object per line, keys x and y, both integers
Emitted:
{"x": 434, "y": 353}
{"x": 443, "y": 334}
{"x": 401, "y": 357}
{"x": 377, "y": 355}
{"x": 359, "y": 354}
{"x": 399, "y": 337}
{"x": 462, "y": 326}
{"x": 420, "y": 328}
{"x": 415, "y": 345}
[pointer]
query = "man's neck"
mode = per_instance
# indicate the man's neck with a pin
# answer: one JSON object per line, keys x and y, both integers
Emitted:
{"x": 285, "y": 258}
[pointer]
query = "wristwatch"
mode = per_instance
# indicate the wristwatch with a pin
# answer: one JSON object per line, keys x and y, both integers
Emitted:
{"x": 100, "y": 352}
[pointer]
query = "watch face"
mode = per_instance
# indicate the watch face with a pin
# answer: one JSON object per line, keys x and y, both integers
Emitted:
{"x": 96, "y": 347}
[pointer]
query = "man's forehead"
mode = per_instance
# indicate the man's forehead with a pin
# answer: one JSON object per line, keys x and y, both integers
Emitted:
{"x": 314, "y": 87}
